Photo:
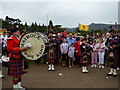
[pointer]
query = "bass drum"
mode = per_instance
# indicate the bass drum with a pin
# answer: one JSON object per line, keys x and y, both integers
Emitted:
{"x": 44, "y": 37}
{"x": 37, "y": 45}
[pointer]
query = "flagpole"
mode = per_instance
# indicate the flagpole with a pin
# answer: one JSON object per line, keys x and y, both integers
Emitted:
{"x": 47, "y": 23}
{"x": 79, "y": 28}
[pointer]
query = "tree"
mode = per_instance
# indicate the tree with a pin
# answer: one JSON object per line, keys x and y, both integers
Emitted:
{"x": 57, "y": 28}
{"x": 32, "y": 27}
{"x": 8, "y": 23}
{"x": 36, "y": 26}
{"x": 21, "y": 26}
{"x": 50, "y": 25}
{"x": 12, "y": 20}
{"x": 26, "y": 26}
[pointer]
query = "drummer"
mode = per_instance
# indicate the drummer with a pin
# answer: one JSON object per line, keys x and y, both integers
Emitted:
{"x": 15, "y": 57}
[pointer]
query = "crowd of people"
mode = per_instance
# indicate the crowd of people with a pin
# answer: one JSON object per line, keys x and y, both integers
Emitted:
{"x": 98, "y": 50}
{"x": 71, "y": 49}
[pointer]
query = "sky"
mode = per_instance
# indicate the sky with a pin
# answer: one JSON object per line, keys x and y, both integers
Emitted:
{"x": 68, "y": 13}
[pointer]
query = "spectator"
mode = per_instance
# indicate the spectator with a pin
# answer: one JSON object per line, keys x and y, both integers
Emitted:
{"x": 71, "y": 52}
{"x": 64, "y": 51}
{"x": 70, "y": 39}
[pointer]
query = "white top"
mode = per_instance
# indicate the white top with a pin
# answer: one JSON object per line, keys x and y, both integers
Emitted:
{"x": 71, "y": 51}
{"x": 64, "y": 48}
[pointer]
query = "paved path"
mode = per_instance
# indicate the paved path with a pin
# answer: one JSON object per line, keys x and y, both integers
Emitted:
{"x": 39, "y": 77}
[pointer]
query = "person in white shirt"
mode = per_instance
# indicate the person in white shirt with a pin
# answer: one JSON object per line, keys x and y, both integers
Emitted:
{"x": 101, "y": 52}
{"x": 94, "y": 54}
{"x": 71, "y": 52}
{"x": 64, "y": 51}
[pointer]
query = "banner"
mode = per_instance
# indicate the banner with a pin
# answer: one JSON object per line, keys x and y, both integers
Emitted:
{"x": 83, "y": 27}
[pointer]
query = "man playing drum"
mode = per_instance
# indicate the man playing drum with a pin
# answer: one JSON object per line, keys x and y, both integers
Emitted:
{"x": 15, "y": 57}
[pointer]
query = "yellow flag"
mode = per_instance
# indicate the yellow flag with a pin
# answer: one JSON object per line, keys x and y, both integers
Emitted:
{"x": 83, "y": 27}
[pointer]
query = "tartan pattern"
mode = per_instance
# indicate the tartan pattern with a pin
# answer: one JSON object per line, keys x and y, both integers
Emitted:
{"x": 51, "y": 61}
{"x": 15, "y": 67}
{"x": 82, "y": 60}
{"x": 51, "y": 55}
{"x": 15, "y": 64}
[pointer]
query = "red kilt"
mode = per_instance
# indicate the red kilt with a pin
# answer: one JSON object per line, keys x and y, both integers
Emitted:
{"x": 51, "y": 55}
{"x": 15, "y": 65}
{"x": 51, "y": 61}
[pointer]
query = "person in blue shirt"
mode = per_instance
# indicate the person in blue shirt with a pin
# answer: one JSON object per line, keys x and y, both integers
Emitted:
{"x": 70, "y": 39}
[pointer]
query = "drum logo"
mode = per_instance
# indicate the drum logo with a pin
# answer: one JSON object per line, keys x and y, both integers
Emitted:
{"x": 38, "y": 46}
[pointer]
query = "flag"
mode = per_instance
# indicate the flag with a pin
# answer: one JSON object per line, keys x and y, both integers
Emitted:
{"x": 83, "y": 27}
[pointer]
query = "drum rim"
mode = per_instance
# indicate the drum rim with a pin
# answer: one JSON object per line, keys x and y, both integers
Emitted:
{"x": 42, "y": 37}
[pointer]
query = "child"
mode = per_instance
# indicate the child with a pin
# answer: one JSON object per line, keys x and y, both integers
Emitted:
{"x": 94, "y": 54}
{"x": 51, "y": 56}
{"x": 71, "y": 54}
{"x": 101, "y": 52}
{"x": 64, "y": 50}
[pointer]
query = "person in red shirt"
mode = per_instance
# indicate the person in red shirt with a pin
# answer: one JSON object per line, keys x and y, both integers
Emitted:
{"x": 65, "y": 33}
{"x": 77, "y": 50}
{"x": 15, "y": 64}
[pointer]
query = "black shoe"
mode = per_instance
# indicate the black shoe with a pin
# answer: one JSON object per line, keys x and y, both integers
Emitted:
{"x": 2, "y": 77}
{"x": 109, "y": 74}
{"x": 114, "y": 75}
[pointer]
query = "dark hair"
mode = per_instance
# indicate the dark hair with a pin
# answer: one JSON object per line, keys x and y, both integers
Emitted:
{"x": 14, "y": 29}
{"x": 72, "y": 44}
{"x": 84, "y": 39}
{"x": 77, "y": 38}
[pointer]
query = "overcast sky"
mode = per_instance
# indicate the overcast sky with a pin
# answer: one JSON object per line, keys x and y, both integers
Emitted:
{"x": 66, "y": 13}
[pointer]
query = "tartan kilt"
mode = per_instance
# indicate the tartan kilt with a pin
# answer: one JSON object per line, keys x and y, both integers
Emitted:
{"x": 51, "y": 60}
{"x": 15, "y": 67}
{"x": 82, "y": 60}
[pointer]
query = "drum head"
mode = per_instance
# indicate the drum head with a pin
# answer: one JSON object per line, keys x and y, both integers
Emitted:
{"x": 37, "y": 43}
